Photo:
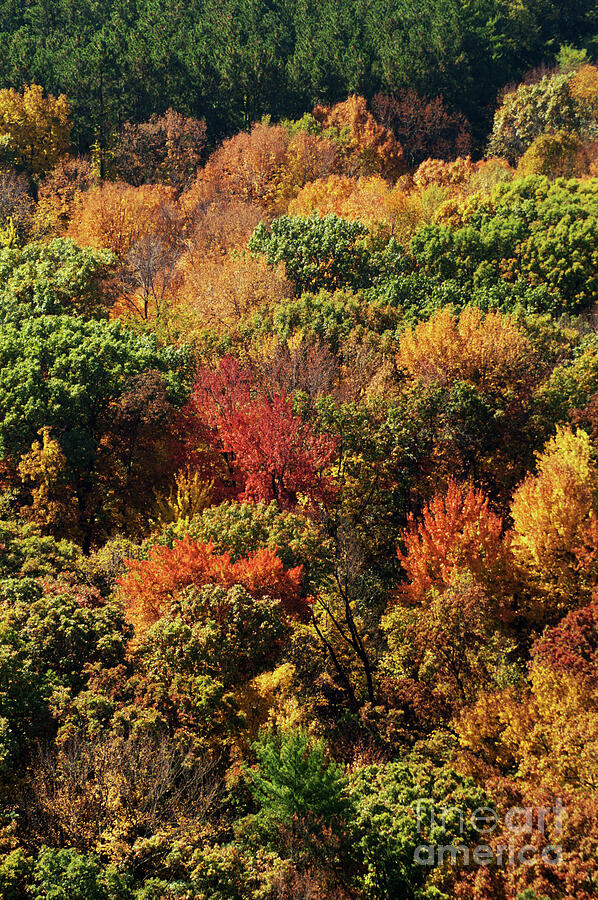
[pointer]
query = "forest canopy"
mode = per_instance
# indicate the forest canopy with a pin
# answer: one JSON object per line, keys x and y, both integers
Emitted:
{"x": 298, "y": 450}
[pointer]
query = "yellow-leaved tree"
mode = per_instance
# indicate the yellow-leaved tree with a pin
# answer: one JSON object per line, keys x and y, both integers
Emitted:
{"x": 551, "y": 513}
{"x": 486, "y": 350}
{"x": 35, "y": 130}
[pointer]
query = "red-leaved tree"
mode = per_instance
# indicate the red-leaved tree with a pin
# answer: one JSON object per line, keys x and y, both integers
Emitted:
{"x": 571, "y": 647}
{"x": 270, "y": 452}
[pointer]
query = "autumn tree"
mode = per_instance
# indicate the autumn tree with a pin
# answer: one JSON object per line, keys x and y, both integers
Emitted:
{"x": 368, "y": 146}
{"x": 16, "y": 202}
{"x": 167, "y": 149}
{"x": 546, "y": 730}
{"x": 58, "y": 194}
{"x": 453, "y": 175}
{"x": 487, "y": 350}
{"x": 571, "y": 646}
{"x": 242, "y": 528}
{"x": 34, "y": 130}
{"x": 143, "y": 227}
{"x": 583, "y": 87}
{"x": 149, "y": 586}
{"x": 457, "y": 532}
{"x": 308, "y": 157}
{"x": 325, "y": 196}
{"x": 424, "y": 126}
{"x": 44, "y": 471}
{"x": 370, "y": 199}
{"x": 218, "y": 291}
{"x": 560, "y": 155}
{"x": 270, "y": 449}
{"x": 455, "y": 643}
{"x": 141, "y": 446}
{"x": 552, "y": 816}
{"x": 248, "y": 165}
{"x": 550, "y": 511}
{"x": 215, "y": 227}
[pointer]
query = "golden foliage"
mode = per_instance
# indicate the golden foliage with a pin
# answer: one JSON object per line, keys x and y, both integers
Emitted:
{"x": 43, "y": 470}
{"x": 308, "y": 157}
{"x": 545, "y": 731}
{"x": 143, "y": 226}
{"x": 399, "y": 210}
{"x": 116, "y": 216}
{"x": 351, "y": 198}
{"x": 449, "y": 174}
{"x": 58, "y": 195}
{"x": 560, "y": 155}
{"x": 486, "y": 350}
{"x": 583, "y": 87}
{"x": 189, "y": 497}
{"x": 551, "y": 511}
{"x": 219, "y": 290}
{"x": 562, "y": 745}
{"x": 34, "y": 130}
{"x": 462, "y": 177}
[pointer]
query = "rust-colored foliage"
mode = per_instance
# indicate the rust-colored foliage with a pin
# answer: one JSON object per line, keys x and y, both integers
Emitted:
{"x": 571, "y": 647}
{"x": 214, "y": 227}
{"x": 369, "y": 146}
{"x": 247, "y": 166}
{"x": 457, "y": 532}
{"x": 167, "y": 149}
{"x": 559, "y": 818}
{"x": 58, "y": 194}
{"x": 150, "y": 586}
{"x": 448, "y": 174}
{"x": 424, "y": 126}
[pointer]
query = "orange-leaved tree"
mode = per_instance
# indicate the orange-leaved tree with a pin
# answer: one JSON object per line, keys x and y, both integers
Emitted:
{"x": 143, "y": 227}
{"x": 246, "y": 166}
{"x": 457, "y": 532}
{"x": 368, "y": 146}
{"x": 219, "y": 290}
{"x": 150, "y": 586}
